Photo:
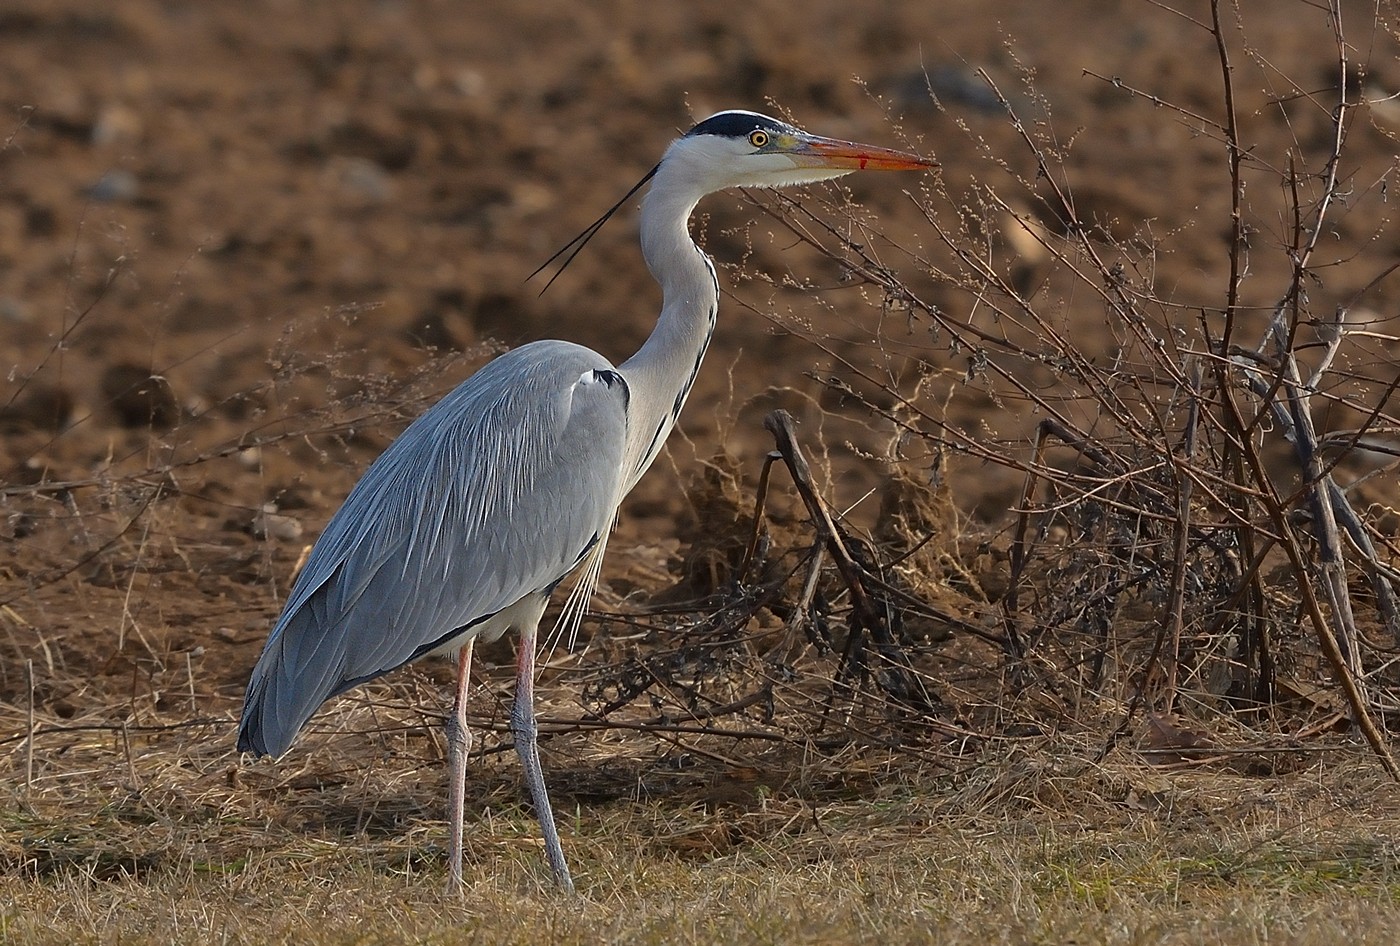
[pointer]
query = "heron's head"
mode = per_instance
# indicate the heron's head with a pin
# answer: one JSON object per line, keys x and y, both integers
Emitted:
{"x": 746, "y": 149}
{"x": 741, "y": 149}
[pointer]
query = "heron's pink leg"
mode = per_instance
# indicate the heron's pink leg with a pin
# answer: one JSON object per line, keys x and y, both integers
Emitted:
{"x": 459, "y": 744}
{"x": 522, "y": 723}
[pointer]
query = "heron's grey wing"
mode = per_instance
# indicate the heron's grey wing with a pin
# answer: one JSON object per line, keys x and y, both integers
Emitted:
{"x": 495, "y": 493}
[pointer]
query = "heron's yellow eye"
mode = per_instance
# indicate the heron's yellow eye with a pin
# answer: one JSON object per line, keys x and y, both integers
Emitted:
{"x": 758, "y": 137}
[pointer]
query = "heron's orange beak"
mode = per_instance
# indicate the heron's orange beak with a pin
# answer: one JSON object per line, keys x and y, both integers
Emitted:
{"x": 813, "y": 151}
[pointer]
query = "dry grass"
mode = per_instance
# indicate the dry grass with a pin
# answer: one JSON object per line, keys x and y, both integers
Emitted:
{"x": 146, "y": 827}
{"x": 1030, "y": 842}
{"x": 159, "y": 832}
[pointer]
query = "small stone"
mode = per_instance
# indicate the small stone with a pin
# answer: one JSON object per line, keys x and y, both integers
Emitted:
{"x": 267, "y": 524}
{"x": 116, "y": 186}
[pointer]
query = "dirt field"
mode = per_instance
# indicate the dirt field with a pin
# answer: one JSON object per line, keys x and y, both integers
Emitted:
{"x": 241, "y": 245}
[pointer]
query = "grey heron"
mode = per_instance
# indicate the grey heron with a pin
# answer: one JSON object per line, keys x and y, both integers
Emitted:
{"x": 465, "y": 525}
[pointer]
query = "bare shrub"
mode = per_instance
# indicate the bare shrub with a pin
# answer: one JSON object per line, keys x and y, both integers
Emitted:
{"x": 1205, "y": 518}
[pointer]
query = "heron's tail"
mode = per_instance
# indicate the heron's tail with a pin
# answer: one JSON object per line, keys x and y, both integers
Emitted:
{"x": 264, "y": 729}
{"x": 289, "y": 683}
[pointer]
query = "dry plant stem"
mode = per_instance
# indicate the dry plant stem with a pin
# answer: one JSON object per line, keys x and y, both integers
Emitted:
{"x": 1173, "y": 626}
{"x": 803, "y": 607}
{"x": 1011, "y": 603}
{"x": 759, "y": 501}
{"x": 1183, "y": 531}
{"x": 1198, "y": 120}
{"x": 1331, "y": 563}
{"x": 779, "y": 423}
{"x": 189, "y": 677}
{"x": 1236, "y": 158}
{"x": 459, "y": 744}
{"x": 66, "y": 335}
{"x": 1386, "y": 599}
{"x": 130, "y": 759}
{"x": 1350, "y": 686}
{"x": 918, "y": 606}
{"x": 1238, "y": 452}
{"x": 29, "y": 732}
{"x": 661, "y": 724}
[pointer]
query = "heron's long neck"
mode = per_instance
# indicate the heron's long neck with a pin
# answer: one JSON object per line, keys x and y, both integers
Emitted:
{"x": 660, "y": 374}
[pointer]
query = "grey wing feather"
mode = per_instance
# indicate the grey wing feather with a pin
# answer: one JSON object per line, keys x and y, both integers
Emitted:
{"x": 495, "y": 493}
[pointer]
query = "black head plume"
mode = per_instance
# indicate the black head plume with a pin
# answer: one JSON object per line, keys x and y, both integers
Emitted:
{"x": 577, "y": 244}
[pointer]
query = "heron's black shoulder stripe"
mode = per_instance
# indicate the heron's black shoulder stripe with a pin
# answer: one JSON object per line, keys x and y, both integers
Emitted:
{"x": 652, "y": 448}
{"x": 684, "y": 391}
{"x": 613, "y": 380}
{"x": 736, "y": 124}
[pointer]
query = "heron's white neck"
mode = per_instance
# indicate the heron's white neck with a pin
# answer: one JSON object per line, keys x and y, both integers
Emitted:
{"x": 660, "y": 374}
